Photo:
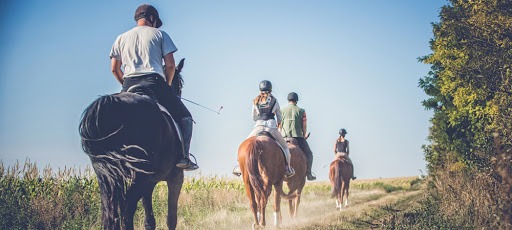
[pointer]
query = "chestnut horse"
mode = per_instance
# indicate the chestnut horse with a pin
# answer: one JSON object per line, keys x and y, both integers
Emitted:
{"x": 296, "y": 183}
{"x": 339, "y": 174}
{"x": 262, "y": 165}
{"x": 132, "y": 146}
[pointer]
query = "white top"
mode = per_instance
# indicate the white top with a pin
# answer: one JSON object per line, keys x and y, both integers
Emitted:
{"x": 141, "y": 50}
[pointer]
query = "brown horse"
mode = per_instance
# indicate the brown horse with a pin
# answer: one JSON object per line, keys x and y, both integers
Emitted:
{"x": 339, "y": 174}
{"x": 296, "y": 183}
{"x": 262, "y": 165}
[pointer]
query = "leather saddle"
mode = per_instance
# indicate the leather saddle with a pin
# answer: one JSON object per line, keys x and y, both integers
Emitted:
{"x": 145, "y": 91}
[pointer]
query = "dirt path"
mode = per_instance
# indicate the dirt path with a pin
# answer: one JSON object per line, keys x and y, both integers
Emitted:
{"x": 317, "y": 211}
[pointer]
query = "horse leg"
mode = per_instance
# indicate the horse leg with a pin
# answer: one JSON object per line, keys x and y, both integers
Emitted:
{"x": 297, "y": 202}
{"x": 147, "y": 203}
{"x": 133, "y": 195}
{"x": 340, "y": 199}
{"x": 291, "y": 207}
{"x": 262, "y": 204}
{"x": 277, "y": 204}
{"x": 347, "y": 186}
{"x": 174, "y": 184}
{"x": 250, "y": 194}
{"x": 342, "y": 195}
{"x": 254, "y": 207}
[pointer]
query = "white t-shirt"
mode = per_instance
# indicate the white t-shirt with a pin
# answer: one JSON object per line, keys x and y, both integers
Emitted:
{"x": 141, "y": 50}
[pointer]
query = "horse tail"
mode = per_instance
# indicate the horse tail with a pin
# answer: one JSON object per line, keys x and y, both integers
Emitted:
{"x": 253, "y": 169}
{"x": 114, "y": 165}
{"x": 337, "y": 179}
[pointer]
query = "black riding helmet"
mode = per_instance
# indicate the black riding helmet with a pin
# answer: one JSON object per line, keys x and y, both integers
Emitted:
{"x": 343, "y": 132}
{"x": 265, "y": 86}
{"x": 293, "y": 97}
{"x": 145, "y": 11}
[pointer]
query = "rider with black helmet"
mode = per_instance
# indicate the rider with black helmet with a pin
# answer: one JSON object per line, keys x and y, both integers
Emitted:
{"x": 267, "y": 115}
{"x": 294, "y": 126}
{"x": 341, "y": 148}
{"x": 142, "y": 50}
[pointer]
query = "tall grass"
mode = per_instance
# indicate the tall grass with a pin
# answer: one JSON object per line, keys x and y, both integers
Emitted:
{"x": 34, "y": 198}
{"x": 42, "y": 199}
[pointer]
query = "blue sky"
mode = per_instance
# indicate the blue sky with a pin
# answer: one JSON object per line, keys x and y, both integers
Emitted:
{"x": 353, "y": 64}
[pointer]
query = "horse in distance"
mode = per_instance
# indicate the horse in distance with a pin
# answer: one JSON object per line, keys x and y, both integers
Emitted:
{"x": 339, "y": 176}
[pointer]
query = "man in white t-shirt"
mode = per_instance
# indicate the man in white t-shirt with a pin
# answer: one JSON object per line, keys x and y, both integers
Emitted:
{"x": 141, "y": 51}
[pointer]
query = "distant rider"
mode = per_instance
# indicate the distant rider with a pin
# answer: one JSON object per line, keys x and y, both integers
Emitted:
{"x": 341, "y": 149}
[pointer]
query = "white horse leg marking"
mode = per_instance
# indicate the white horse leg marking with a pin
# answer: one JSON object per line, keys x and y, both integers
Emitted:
{"x": 276, "y": 218}
{"x": 346, "y": 202}
{"x": 337, "y": 204}
{"x": 258, "y": 215}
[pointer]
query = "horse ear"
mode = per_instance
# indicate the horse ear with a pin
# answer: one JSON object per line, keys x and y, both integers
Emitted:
{"x": 180, "y": 65}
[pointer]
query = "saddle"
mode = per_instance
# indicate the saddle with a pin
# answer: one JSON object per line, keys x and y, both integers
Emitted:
{"x": 266, "y": 133}
{"x": 341, "y": 156}
{"x": 292, "y": 141}
{"x": 147, "y": 92}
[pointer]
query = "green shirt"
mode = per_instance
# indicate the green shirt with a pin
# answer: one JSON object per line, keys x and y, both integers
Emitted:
{"x": 292, "y": 117}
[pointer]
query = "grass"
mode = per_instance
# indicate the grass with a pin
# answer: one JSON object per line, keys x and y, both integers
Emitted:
{"x": 33, "y": 198}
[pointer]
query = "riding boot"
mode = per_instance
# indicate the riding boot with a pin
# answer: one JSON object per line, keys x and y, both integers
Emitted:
{"x": 353, "y": 177}
{"x": 186, "y": 131}
{"x": 351, "y": 168}
{"x": 309, "y": 174}
{"x": 288, "y": 170}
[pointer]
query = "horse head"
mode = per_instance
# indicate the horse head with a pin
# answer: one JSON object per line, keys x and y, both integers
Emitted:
{"x": 177, "y": 81}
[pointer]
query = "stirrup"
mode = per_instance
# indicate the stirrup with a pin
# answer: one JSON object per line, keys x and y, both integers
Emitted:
{"x": 292, "y": 171}
{"x": 191, "y": 165}
{"x": 237, "y": 172}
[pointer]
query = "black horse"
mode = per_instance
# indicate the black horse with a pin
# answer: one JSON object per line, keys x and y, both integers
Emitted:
{"x": 133, "y": 145}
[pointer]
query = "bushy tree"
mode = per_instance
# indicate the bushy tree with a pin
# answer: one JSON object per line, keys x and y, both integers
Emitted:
{"x": 469, "y": 82}
{"x": 470, "y": 92}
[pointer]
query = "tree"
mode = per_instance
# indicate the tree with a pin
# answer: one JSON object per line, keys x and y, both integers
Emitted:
{"x": 469, "y": 82}
{"x": 470, "y": 91}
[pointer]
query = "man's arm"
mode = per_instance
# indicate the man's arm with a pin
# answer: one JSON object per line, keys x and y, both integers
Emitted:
{"x": 304, "y": 125}
{"x": 115, "y": 67}
{"x": 170, "y": 67}
{"x": 348, "y": 151}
